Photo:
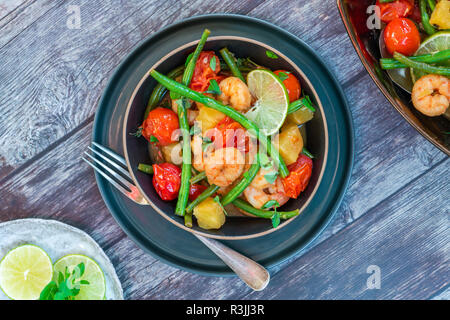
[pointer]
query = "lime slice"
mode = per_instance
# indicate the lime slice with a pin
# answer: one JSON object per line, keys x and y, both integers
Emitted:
{"x": 270, "y": 108}
{"x": 437, "y": 42}
{"x": 96, "y": 288}
{"x": 24, "y": 272}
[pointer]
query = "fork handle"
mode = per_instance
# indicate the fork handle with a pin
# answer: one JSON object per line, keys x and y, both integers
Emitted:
{"x": 251, "y": 272}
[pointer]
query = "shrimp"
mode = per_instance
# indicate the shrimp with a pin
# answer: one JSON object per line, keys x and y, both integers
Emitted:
{"x": 431, "y": 95}
{"x": 191, "y": 114}
{"x": 224, "y": 166}
{"x": 260, "y": 191}
{"x": 235, "y": 93}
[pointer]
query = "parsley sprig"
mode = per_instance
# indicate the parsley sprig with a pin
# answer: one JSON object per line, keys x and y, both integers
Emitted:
{"x": 276, "y": 215}
{"x": 217, "y": 199}
{"x": 67, "y": 286}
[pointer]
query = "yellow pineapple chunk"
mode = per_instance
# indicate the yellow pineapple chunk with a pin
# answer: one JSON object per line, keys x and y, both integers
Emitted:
{"x": 301, "y": 116}
{"x": 209, "y": 214}
{"x": 290, "y": 143}
{"x": 441, "y": 15}
{"x": 208, "y": 118}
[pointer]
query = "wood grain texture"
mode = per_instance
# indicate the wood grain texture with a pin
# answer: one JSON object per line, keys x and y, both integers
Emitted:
{"x": 9, "y": 6}
{"x": 74, "y": 65}
{"x": 406, "y": 236}
{"x": 394, "y": 214}
{"x": 23, "y": 17}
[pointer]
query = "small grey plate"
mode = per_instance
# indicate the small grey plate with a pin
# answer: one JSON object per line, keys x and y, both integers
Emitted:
{"x": 58, "y": 239}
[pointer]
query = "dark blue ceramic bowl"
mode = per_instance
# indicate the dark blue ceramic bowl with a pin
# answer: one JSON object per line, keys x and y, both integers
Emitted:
{"x": 136, "y": 150}
{"x": 159, "y": 232}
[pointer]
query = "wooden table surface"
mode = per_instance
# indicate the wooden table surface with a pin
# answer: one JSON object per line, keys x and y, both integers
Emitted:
{"x": 395, "y": 214}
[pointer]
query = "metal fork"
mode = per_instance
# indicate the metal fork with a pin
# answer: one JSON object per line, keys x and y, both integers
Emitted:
{"x": 113, "y": 168}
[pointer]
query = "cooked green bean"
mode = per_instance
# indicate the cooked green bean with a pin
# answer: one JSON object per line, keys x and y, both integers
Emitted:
{"x": 183, "y": 193}
{"x": 205, "y": 194}
{"x": 241, "y": 204}
{"x": 301, "y": 103}
{"x": 189, "y": 72}
{"x": 188, "y": 220}
{"x": 432, "y": 4}
{"x": 146, "y": 168}
{"x": 238, "y": 117}
{"x": 230, "y": 61}
{"x": 444, "y": 71}
{"x": 159, "y": 91}
{"x": 307, "y": 153}
{"x": 426, "y": 18}
{"x": 199, "y": 177}
{"x": 240, "y": 187}
{"x": 242, "y": 69}
{"x": 426, "y": 58}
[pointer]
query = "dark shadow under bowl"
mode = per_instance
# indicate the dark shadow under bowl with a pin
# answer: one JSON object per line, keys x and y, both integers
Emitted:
{"x": 354, "y": 15}
{"x": 136, "y": 149}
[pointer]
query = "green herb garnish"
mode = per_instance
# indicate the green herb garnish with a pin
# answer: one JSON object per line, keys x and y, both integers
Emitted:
{"x": 276, "y": 215}
{"x": 214, "y": 87}
{"x": 213, "y": 63}
{"x": 195, "y": 130}
{"x": 206, "y": 143}
{"x": 217, "y": 199}
{"x": 138, "y": 132}
{"x": 271, "y": 55}
{"x": 271, "y": 177}
{"x": 264, "y": 161}
{"x": 283, "y": 76}
{"x": 67, "y": 286}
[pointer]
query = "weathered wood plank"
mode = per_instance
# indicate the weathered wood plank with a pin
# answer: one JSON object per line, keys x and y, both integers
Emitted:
{"x": 23, "y": 17}
{"x": 9, "y": 6}
{"x": 406, "y": 236}
{"x": 72, "y": 74}
{"x": 60, "y": 186}
{"x": 73, "y": 67}
{"x": 444, "y": 295}
{"x": 62, "y": 100}
{"x": 51, "y": 198}
{"x": 402, "y": 166}
{"x": 318, "y": 23}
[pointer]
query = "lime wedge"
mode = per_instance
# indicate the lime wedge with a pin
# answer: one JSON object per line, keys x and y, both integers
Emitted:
{"x": 272, "y": 101}
{"x": 437, "y": 42}
{"x": 24, "y": 272}
{"x": 96, "y": 288}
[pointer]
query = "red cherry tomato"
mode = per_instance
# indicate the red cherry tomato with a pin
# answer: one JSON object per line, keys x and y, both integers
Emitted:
{"x": 292, "y": 85}
{"x": 397, "y": 9}
{"x": 195, "y": 190}
{"x": 203, "y": 73}
{"x": 161, "y": 124}
{"x": 298, "y": 178}
{"x": 167, "y": 180}
{"x": 229, "y": 133}
{"x": 401, "y": 35}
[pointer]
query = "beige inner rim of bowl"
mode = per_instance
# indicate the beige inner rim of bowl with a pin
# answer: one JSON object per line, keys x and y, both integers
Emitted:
{"x": 205, "y": 234}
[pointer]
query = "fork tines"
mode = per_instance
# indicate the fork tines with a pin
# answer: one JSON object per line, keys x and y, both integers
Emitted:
{"x": 113, "y": 167}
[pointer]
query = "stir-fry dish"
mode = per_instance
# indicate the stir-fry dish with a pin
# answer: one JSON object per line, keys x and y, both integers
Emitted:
{"x": 417, "y": 37}
{"x": 227, "y": 132}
